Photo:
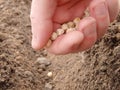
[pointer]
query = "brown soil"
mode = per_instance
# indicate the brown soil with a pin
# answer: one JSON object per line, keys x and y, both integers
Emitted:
{"x": 95, "y": 69}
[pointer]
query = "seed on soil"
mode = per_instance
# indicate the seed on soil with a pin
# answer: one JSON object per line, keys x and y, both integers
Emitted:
{"x": 71, "y": 24}
{"x": 54, "y": 36}
{"x": 49, "y": 74}
{"x": 64, "y": 26}
{"x": 60, "y": 31}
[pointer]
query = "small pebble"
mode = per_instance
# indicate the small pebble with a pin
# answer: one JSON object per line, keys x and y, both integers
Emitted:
{"x": 42, "y": 60}
{"x": 103, "y": 68}
{"x": 28, "y": 74}
{"x": 49, "y": 74}
{"x": 48, "y": 86}
{"x": 54, "y": 36}
{"x": 19, "y": 58}
{"x": 43, "y": 67}
{"x": 117, "y": 50}
{"x": 40, "y": 70}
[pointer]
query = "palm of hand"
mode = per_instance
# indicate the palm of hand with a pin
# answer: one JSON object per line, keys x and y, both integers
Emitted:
{"x": 47, "y": 15}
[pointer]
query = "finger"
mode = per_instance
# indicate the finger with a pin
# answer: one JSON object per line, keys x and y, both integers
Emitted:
{"x": 119, "y": 3}
{"x": 41, "y": 19}
{"x": 70, "y": 11}
{"x": 67, "y": 43}
{"x": 99, "y": 10}
{"x": 113, "y": 7}
{"x": 88, "y": 27}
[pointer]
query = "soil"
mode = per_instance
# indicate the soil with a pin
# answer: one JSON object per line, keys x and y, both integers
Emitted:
{"x": 95, "y": 69}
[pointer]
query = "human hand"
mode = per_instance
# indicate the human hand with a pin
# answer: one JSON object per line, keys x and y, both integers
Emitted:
{"x": 48, "y": 15}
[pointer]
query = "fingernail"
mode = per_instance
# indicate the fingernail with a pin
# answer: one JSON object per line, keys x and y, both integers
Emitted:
{"x": 100, "y": 9}
{"x": 90, "y": 30}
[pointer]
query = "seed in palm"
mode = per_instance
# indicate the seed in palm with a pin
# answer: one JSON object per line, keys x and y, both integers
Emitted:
{"x": 64, "y": 26}
{"x": 70, "y": 30}
{"x": 49, "y": 44}
{"x": 76, "y": 20}
{"x": 60, "y": 32}
{"x": 54, "y": 36}
{"x": 71, "y": 24}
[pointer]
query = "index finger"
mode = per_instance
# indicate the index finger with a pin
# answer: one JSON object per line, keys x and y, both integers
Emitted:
{"x": 41, "y": 20}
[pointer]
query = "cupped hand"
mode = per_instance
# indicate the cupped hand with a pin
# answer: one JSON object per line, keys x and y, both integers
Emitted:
{"x": 48, "y": 15}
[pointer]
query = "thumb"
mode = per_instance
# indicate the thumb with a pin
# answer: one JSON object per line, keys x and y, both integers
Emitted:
{"x": 41, "y": 20}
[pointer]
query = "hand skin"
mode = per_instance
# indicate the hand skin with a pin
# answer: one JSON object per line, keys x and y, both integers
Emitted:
{"x": 47, "y": 15}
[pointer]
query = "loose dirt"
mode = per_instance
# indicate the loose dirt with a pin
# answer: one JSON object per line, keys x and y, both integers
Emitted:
{"x": 22, "y": 68}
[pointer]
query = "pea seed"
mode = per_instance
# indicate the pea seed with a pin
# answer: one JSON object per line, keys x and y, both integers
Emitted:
{"x": 70, "y": 30}
{"x": 60, "y": 31}
{"x": 76, "y": 20}
{"x": 49, "y": 74}
{"x": 54, "y": 36}
{"x": 64, "y": 26}
{"x": 71, "y": 24}
{"x": 49, "y": 43}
